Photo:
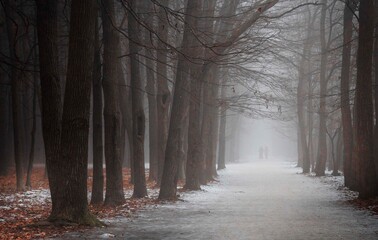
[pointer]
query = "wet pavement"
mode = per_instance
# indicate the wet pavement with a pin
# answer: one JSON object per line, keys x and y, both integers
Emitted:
{"x": 258, "y": 200}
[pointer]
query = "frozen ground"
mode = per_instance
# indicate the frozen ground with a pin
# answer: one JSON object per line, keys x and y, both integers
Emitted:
{"x": 260, "y": 200}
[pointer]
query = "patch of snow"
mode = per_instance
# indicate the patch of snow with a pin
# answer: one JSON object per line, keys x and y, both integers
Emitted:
{"x": 106, "y": 235}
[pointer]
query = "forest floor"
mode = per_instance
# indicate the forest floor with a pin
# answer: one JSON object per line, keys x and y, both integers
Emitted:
{"x": 257, "y": 200}
{"x": 19, "y": 211}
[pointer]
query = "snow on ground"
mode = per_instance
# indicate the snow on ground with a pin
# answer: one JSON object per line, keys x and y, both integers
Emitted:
{"x": 257, "y": 200}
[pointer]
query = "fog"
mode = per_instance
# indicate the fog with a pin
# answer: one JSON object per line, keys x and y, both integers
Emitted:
{"x": 266, "y": 133}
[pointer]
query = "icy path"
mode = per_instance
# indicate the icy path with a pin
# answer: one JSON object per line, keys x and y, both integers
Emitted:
{"x": 262, "y": 200}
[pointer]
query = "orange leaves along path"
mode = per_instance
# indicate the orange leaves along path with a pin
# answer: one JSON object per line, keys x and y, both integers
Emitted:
{"x": 20, "y": 210}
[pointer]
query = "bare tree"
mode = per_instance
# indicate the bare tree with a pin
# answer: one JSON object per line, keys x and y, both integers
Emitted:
{"x": 363, "y": 127}
{"x": 140, "y": 189}
{"x": 112, "y": 114}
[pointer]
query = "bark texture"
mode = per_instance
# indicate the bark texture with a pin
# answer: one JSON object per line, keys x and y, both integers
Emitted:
{"x": 322, "y": 139}
{"x": 98, "y": 141}
{"x": 71, "y": 201}
{"x": 180, "y": 107}
{"x": 14, "y": 31}
{"x": 345, "y": 96}
{"x": 112, "y": 115}
{"x": 363, "y": 127}
{"x": 163, "y": 98}
{"x": 140, "y": 189}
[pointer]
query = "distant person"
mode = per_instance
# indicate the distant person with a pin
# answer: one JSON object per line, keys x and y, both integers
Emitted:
{"x": 261, "y": 152}
{"x": 266, "y": 151}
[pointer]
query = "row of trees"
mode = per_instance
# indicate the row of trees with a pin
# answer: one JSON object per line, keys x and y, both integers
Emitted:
{"x": 178, "y": 54}
{"x": 336, "y": 76}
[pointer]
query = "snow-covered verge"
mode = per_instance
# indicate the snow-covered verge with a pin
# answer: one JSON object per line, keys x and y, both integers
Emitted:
{"x": 22, "y": 212}
{"x": 336, "y": 183}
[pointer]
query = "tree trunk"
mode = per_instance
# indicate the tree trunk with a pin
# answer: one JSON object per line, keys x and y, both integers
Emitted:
{"x": 195, "y": 161}
{"x": 151, "y": 90}
{"x": 16, "y": 89}
{"x": 98, "y": 142}
{"x": 112, "y": 114}
{"x": 163, "y": 97}
{"x": 301, "y": 97}
{"x": 364, "y": 146}
{"x": 140, "y": 189}
{"x": 152, "y": 122}
{"x": 5, "y": 122}
{"x": 322, "y": 139}
{"x": 222, "y": 130}
{"x": 5, "y": 136}
{"x": 310, "y": 124}
{"x": 180, "y": 106}
{"x": 50, "y": 90}
{"x": 222, "y": 127}
{"x": 214, "y": 130}
{"x": 72, "y": 203}
{"x": 376, "y": 87}
{"x": 34, "y": 128}
{"x": 345, "y": 98}
{"x": 336, "y": 154}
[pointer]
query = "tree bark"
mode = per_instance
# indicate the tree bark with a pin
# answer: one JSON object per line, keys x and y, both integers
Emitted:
{"x": 363, "y": 127}
{"x": 211, "y": 117}
{"x": 98, "y": 141}
{"x": 163, "y": 97}
{"x": 71, "y": 201}
{"x": 180, "y": 106}
{"x": 310, "y": 123}
{"x": 301, "y": 97}
{"x": 50, "y": 90}
{"x": 33, "y": 130}
{"x": 5, "y": 117}
{"x": 222, "y": 130}
{"x": 151, "y": 90}
{"x": 16, "y": 90}
{"x": 376, "y": 87}
{"x": 322, "y": 139}
{"x": 346, "y": 114}
{"x": 210, "y": 122}
{"x": 112, "y": 115}
{"x": 140, "y": 189}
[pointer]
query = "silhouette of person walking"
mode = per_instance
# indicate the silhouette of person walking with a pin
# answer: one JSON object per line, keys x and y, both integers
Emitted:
{"x": 261, "y": 152}
{"x": 266, "y": 151}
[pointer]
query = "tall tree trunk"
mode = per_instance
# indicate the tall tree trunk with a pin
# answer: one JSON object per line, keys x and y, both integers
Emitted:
{"x": 195, "y": 161}
{"x": 322, "y": 139}
{"x": 364, "y": 146}
{"x": 301, "y": 97}
{"x": 98, "y": 141}
{"x": 16, "y": 89}
{"x": 112, "y": 114}
{"x": 214, "y": 129}
{"x": 151, "y": 90}
{"x": 163, "y": 97}
{"x": 310, "y": 124}
{"x": 5, "y": 123}
{"x": 4, "y": 130}
{"x": 34, "y": 127}
{"x": 5, "y": 137}
{"x": 345, "y": 98}
{"x": 222, "y": 130}
{"x": 335, "y": 153}
{"x": 50, "y": 90}
{"x": 210, "y": 122}
{"x": 376, "y": 87}
{"x": 180, "y": 106}
{"x": 72, "y": 203}
{"x": 140, "y": 189}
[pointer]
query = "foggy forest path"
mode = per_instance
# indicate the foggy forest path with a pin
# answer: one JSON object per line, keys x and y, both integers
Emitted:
{"x": 257, "y": 200}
